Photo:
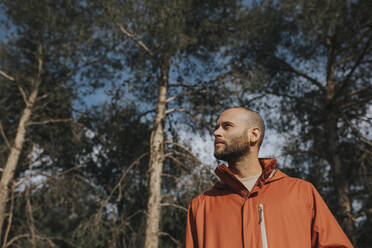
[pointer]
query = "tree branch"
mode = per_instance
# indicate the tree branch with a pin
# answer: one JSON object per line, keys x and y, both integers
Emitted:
{"x": 351, "y": 103}
{"x": 191, "y": 154}
{"x": 182, "y": 110}
{"x": 181, "y": 85}
{"x": 125, "y": 31}
{"x": 48, "y": 176}
{"x": 40, "y": 63}
{"x": 23, "y": 93}
{"x": 14, "y": 239}
{"x": 300, "y": 99}
{"x": 4, "y": 137}
{"x": 178, "y": 162}
{"x": 10, "y": 217}
{"x": 355, "y": 130}
{"x": 171, "y": 238}
{"x": 5, "y": 75}
{"x": 171, "y": 176}
{"x": 168, "y": 204}
{"x": 135, "y": 39}
{"x": 30, "y": 216}
{"x": 301, "y": 74}
{"x": 99, "y": 213}
{"x": 145, "y": 113}
{"x": 357, "y": 63}
{"x": 185, "y": 94}
{"x": 355, "y": 92}
{"x": 49, "y": 121}
{"x": 26, "y": 235}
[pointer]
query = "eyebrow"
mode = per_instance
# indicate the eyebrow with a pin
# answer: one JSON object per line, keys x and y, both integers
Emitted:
{"x": 224, "y": 122}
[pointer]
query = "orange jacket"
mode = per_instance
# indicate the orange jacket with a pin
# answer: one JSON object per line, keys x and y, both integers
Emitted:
{"x": 280, "y": 211}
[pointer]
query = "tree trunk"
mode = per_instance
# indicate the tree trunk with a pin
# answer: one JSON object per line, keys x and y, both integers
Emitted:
{"x": 156, "y": 162}
{"x": 340, "y": 178}
{"x": 15, "y": 151}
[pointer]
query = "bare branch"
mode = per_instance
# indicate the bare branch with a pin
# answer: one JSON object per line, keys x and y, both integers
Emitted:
{"x": 41, "y": 106}
{"x": 300, "y": 99}
{"x": 301, "y": 74}
{"x": 182, "y": 110}
{"x": 26, "y": 235}
{"x": 369, "y": 152}
{"x": 185, "y": 93}
{"x": 145, "y": 113}
{"x": 30, "y": 216}
{"x": 99, "y": 213}
{"x": 171, "y": 238}
{"x": 355, "y": 92}
{"x": 40, "y": 63}
{"x": 5, "y": 75}
{"x": 134, "y": 214}
{"x": 178, "y": 162}
{"x": 49, "y": 121}
{"x": 351, "y": 103}
{"x": 356, "y": 64}
{"x": 183, "y": 148}
{"x": 14, "y": 239}
{"x": 23, "y": 93}
{"x": 131, "y": 36}
{"x": 48, "y": 176}
{"x": 10, "y": 217}
{"x": 4, "y": 137}
{"x": 42, "y": 97}
{"x": 191, "y": 154}
{"x": 50, "y": 242}
{"x": 171, "y": 176}
{"x": 345, "y": 60}
{"x": 181, "y": 85}
{"x": 125, "y": 31}
{"x": 168, "y": 204}
{"x": 355, "y": 130}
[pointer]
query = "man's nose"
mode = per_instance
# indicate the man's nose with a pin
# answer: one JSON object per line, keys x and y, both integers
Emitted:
{"x": 217, "y": 132}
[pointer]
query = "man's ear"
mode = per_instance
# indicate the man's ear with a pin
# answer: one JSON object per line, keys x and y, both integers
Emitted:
{"x": 254, "y": 135}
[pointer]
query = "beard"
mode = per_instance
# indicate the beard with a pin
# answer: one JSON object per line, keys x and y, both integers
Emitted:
{"x": 236, "y": 148}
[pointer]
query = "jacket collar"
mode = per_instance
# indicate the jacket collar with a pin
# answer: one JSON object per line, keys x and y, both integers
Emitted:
{"x": 228, "y": 179}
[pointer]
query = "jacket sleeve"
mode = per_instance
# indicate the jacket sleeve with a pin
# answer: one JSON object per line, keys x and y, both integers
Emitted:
{"x": 326, "y": 232}
{"x": 190, "y": 240}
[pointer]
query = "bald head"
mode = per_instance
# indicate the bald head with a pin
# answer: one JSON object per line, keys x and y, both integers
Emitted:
{"x": 252, "y": 118}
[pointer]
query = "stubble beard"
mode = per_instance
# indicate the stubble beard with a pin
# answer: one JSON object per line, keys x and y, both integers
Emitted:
{"x": 238, "y": 147}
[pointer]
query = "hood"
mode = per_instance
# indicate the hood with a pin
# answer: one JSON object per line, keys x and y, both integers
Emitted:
{"x": 229, "y": 181}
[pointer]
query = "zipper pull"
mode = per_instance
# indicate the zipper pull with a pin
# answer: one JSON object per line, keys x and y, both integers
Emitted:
{"x": 260, "y": 209}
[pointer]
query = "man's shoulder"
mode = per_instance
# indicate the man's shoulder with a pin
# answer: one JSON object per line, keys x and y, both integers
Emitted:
{"x": 295, "y": 180}
{"x": 297, "y": 183}
{"x": 216, "y": 190}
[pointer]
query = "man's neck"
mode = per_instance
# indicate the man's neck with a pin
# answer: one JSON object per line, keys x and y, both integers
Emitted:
{"x": 246, "y": 166}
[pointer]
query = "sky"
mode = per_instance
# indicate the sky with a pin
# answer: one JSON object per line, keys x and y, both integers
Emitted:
{"x": 202, "y": 146}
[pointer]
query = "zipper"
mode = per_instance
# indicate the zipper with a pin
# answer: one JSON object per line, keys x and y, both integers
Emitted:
{"x": 262, "y": 225}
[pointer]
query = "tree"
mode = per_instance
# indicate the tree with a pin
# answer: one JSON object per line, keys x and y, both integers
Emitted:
{"x": 47, "y": 45}
{"x": 117, "y": 168}
{"x": 167, "y": 45}
{"x": 315, "y": 57}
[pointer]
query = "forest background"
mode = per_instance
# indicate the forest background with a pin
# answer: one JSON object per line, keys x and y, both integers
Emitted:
{"x": 107, "y": 109}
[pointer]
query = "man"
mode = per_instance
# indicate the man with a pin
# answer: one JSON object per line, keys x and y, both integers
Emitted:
{"x": 255, "y": 204}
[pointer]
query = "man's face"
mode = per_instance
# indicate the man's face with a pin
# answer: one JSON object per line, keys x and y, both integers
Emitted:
{"x": 231, "y": 135}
